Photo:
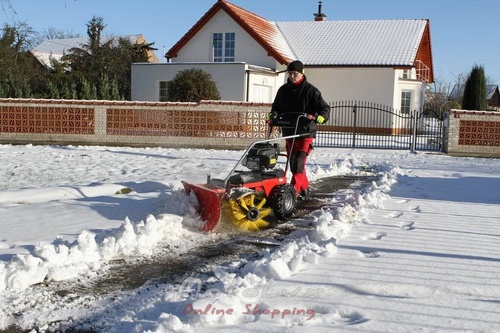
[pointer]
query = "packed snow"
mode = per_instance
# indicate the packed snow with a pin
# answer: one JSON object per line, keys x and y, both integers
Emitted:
{"x": 416, "y": 250}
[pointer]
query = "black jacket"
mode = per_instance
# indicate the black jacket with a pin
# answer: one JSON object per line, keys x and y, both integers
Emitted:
{"x": 292, "y": 100}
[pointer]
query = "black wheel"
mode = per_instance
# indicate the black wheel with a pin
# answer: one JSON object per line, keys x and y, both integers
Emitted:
{"x": 283, "y": 201}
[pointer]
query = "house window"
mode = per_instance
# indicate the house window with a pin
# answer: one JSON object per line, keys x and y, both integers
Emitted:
{"x": 163, "y": 91}
{"x": 223, "y": 46}
{"x": 405, "y": 101}
{"x": 406, "y": 73}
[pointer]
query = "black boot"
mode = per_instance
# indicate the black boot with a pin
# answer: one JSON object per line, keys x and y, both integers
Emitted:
{"x": 303, "y": 194}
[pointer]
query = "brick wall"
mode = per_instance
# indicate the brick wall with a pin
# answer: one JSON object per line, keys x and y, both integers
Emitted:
{"x": 472, "y": 133}
{"x": 208, "y": 124}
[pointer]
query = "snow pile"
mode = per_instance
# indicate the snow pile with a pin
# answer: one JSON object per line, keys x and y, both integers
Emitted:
{"x": 61, "y": 260}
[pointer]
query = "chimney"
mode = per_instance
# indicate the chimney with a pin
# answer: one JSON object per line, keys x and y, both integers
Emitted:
{"x": 319, "y": 16}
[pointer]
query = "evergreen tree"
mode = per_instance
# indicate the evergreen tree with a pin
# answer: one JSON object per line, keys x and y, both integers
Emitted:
{"x": 105, "y": 88}
{"x": 93, "y": 92}
{"x": 67, "y": 92}
{"x": 115, "y": 92}
{"x": 475, "y": 90}
{"x": 85, "y": 92}
{"x": 104, "y": 60}
{"x": 192, "y": 85}
{"x": 73, "y": 91}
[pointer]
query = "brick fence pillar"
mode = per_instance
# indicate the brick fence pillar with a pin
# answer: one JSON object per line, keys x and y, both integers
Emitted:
{"x": 100, "y": 116}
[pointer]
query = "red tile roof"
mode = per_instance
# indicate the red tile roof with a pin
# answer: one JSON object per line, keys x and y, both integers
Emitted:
{"x": 260, "y": 29}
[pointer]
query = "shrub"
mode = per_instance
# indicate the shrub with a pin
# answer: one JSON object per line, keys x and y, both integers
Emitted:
{"x": 192, "y": 85}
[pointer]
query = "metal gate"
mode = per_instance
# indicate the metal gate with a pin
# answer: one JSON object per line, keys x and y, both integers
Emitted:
{"x": 368, "y": 125}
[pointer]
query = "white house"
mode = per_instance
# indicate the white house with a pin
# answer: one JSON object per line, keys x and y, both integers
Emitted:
{"x": 388, "y": 62}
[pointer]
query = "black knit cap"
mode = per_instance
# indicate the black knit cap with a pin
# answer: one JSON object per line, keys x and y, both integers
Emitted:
{"x": 295, "y": 66}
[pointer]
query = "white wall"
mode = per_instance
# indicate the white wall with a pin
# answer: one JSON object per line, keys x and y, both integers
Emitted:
{"x": 381, "y": 86}
{"x": 418, "y": 93}
{"x": 231, "y": 80}
{"x": 358, "y": 84}
{"x": 199, "y": 48}
{"x": 146, "y": 77}
{"x": 376, "y": 85}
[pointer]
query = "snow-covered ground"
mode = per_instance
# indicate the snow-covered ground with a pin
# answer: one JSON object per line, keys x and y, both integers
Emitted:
{"x": 417, "y": 251}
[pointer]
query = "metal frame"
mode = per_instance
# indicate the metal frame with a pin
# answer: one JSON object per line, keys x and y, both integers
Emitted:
{"x": 368, "y": 125}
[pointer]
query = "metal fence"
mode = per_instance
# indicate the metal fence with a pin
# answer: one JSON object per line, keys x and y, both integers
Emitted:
{"x": 368, "y": 125}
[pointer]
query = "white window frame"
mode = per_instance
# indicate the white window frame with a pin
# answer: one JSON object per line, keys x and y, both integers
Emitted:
{"x": 223, "y": 46}
{"x": 163, "y": 91}
{"x": 406, "y": 101}
{"x": 406, "y": 74}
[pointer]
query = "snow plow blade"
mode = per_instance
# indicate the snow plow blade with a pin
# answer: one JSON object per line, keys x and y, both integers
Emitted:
{"x": 209, "y": 198}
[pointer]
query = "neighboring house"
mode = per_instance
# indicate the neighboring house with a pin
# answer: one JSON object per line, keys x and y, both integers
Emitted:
{"x": 492, "y": 95}
{"x": 56, "y": 48}
{"x": 388, "y": 62}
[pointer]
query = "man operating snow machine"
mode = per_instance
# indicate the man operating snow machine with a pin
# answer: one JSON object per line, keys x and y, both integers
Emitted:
{"x": 246, "y": 198}
{"x": 298, "y": 96}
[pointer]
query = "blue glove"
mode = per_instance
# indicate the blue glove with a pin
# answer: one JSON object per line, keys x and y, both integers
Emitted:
{"x": 320, "y": 119}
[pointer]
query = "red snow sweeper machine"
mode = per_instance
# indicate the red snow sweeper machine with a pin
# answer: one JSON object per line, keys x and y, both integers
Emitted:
{"x": 246, "y": 198}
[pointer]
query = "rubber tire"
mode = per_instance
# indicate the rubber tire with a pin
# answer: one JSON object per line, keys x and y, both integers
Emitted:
{"x": 283, "y": 201}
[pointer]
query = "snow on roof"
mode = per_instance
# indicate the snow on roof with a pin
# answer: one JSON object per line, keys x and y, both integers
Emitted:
{"x": 359, "y": 42}
{"x": 56, "y": 48}
{"x": 61, "y": 45}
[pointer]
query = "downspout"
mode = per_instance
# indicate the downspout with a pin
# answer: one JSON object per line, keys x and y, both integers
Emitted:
{"x": 248, "y": 85}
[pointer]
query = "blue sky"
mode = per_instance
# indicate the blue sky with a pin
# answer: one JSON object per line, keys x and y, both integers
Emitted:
{"x": 463, "y": 32}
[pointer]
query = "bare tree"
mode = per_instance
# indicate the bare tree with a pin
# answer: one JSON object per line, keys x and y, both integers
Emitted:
{"x": 457, "y": 92}
{"x": 444, "y": 96}
{"x": 22, "y": 33}
{"x": 437, "y": 98}
{"x": 7, "y": 4}
{"x": 53, "y": 33}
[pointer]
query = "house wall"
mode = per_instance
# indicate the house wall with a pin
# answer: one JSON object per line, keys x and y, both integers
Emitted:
{"x": 494, "y": 101}
{"x": 375, "y": 85}
{"x": 151, "y": 55}
{"x": 146, "y": 78}
{"x": 418, "y": 92}
{"x": 237, "y": 83}
{"x": 199, "y": 48}
{"x": 355, "y": 84}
